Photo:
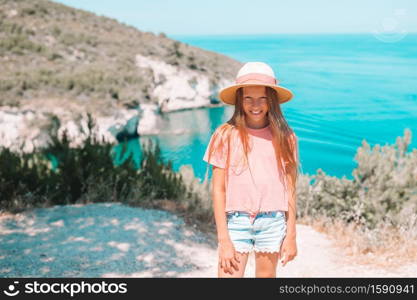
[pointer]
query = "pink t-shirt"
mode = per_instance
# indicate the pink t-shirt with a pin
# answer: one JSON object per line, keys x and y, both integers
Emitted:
{"x": 268, "y": 193}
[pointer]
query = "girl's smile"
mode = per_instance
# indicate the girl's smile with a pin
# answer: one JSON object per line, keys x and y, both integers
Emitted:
{"x": 255, "y": 106}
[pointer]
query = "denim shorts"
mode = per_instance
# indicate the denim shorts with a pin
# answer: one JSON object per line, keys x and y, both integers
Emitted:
{"x": 261, "y": 233}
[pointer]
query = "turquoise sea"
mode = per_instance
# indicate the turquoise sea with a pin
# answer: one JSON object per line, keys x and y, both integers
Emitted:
{"x": 347, "y": 88}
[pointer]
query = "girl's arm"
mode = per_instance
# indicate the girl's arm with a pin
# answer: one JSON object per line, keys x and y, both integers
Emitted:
{"x": 219, "y": 203}
{"x": 228, "y": 258}
{"x": 292, "y": 201}
{"x": 291, "y": 216}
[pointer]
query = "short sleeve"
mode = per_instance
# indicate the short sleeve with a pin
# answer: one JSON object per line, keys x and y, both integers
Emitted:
{"x": 219, "y": 156}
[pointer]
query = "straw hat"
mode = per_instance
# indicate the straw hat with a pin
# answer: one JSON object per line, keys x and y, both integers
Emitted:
{"x": 254, "y": 73}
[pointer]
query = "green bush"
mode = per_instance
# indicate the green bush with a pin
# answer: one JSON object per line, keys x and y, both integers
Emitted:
{"x": 11, "y": 28}
{"x": 21, "y": 175}
{"x": 384, "y": 188}
{"x": 158, "y": 180}
{"x": 39, "y": 9}
{"x": 71, "y": 39}
{"x": 18, "y": 44}
{"x": 85, "y": 174}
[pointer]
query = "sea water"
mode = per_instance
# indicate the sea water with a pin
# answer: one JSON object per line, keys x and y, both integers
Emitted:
{"x": 347, "y": 88}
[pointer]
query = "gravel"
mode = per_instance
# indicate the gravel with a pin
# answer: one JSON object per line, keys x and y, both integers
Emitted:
{"x": 97, "y": 240}
{"x": 116, "y": 240}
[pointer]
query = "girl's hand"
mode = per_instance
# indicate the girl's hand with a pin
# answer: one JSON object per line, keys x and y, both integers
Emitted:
{"x": 288, "y": 250}
{"x": 228, "y": 257}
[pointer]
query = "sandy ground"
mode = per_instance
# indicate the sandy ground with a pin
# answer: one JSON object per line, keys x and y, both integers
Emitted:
{"x": 115, "y": 240}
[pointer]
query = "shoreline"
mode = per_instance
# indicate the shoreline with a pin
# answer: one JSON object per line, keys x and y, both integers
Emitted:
{"x": 28, "y": 124}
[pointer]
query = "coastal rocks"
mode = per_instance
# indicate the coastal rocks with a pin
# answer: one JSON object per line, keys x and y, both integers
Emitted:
{"x": 112, "y": 128}
{"x": 150, "y": 119}
{"x": 179, "y": 88}
{"x": 146, "y": 121}
{"x": 122, "y": 132}
{"x": 23, "y": 130}
{"x": 27, "y": 127}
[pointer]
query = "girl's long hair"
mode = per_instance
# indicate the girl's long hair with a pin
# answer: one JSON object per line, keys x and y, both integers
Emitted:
{"x": 284, "y": 140}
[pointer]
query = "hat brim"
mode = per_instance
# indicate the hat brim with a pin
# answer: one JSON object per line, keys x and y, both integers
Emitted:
{"x": 227, "y": 95}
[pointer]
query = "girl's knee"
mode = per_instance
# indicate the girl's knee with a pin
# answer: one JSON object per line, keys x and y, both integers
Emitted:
{"x": 265, "y": 274}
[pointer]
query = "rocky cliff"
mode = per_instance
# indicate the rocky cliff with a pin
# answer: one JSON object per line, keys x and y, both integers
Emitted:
{"x": 57, "y": 60}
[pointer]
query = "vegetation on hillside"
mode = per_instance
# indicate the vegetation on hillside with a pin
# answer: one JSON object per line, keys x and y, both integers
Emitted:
{"x": 51, "y": 50}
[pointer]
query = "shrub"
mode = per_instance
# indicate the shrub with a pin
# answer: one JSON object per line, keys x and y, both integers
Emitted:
{"x": 85, "y": 174}
{"x": 384, "y": 187}
{"x": 18, "y": 44}
{"x": 158, "y": 180}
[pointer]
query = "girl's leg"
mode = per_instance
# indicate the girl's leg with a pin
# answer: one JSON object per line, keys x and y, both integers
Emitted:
{"x": 266, "y": 264}
{"x": 243, "y": 258}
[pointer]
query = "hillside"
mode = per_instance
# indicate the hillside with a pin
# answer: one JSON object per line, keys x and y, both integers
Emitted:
{"x": 59, "y": 61}
{"x": 55, "y": 51}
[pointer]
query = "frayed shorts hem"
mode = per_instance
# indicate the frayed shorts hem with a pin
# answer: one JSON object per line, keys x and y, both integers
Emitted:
{"x": 257, "y": 250}
{"x": 244, "y": 251}
{"x": 266, "y": 250}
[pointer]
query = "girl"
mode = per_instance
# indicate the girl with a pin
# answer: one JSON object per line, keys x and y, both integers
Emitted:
{"x": 255, "y": 167}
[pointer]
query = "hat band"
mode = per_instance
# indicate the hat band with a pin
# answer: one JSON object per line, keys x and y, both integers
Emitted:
{"x": 257, "y": 77}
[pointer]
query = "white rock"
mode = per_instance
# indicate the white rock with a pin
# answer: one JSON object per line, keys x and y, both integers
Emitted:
{"x": 24, "y": 127}
{"x": 12, "y": 13}
{"x": 172, "y": 86}
{"x": 150, "y": 120}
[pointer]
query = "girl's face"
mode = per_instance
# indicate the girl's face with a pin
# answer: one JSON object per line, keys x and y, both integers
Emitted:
{"x": 255, "y": 104}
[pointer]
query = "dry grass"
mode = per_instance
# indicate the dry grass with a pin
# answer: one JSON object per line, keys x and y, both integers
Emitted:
{"x": 384, "y": 246}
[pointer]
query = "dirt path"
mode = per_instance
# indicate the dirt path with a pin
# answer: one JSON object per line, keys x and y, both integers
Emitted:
{"x": 115, "y": 240}
{"x": 317, "y": 257}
